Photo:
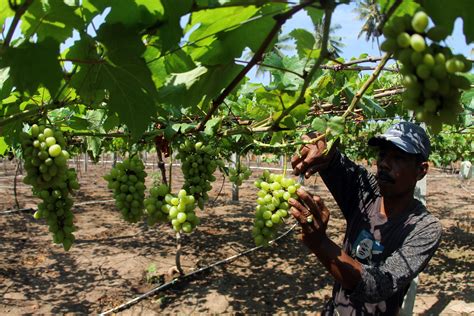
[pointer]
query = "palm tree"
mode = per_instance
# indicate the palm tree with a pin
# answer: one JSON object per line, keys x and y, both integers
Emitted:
{"x": 335, "y": 43}
{"x": 368, "y": 11}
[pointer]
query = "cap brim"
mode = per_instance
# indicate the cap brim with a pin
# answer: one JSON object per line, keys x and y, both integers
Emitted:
{"x": 378, "y": 141}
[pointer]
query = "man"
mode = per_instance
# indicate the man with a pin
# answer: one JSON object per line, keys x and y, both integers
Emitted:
{"x": 390, "y": 236}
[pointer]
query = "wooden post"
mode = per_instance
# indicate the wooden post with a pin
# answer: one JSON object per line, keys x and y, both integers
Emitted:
{"x": 235, "y": 188}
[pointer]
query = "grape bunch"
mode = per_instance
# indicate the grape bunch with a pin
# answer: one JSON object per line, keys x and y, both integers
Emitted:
{"x": 154, "y": 204}
{"x": 127, "y": 180}
{"x": 432, "y": 84}
{"x": 180, "y": 211}
{"x": 198, "y": 163}
{"x": 272, "y": 208}
{"x": 239, "y": 174}
{"x": 46, "y": 166}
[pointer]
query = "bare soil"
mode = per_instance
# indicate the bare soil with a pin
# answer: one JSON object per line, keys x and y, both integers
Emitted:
{"x": 113, "y": 261}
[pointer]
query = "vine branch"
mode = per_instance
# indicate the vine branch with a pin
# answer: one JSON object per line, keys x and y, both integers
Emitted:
{"x": 280, "y": 20}
{"x": 309, "y": 76}
{"x": 366, "y": 85}
{"x": 16, "y": 19}
{"x": 386, "y": 16}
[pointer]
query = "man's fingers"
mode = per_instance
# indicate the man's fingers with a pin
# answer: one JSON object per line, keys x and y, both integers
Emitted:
{"x": 314, "y": 204}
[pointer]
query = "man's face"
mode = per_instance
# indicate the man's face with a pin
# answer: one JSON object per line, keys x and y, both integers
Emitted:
{"x": 397, "y": 171}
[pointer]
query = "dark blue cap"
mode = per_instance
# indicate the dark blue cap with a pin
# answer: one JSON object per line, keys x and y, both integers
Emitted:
{"x": 409, "y": 137}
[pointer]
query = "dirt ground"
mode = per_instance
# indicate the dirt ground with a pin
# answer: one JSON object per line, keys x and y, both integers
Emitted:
{"x": 113, "y": 261}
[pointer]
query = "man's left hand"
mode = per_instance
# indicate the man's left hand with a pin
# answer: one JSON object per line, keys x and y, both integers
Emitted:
{"x": 312, "y": 215}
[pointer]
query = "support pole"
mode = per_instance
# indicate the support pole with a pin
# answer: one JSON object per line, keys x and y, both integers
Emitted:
{"x": 235, "y": 188}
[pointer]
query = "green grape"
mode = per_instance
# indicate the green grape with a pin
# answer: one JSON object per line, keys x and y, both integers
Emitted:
{"x": 451, "y": 65}
{"x": 417, "y": 42}
{"x": 127, "y": 180}
{"x": 431, "y": 84}
{"x": 428, "y": 60}
{"x": 423, "y": 71}
{"x": 199, "y": 162}
{"x": 272, "y": 206}
{"x": 430, "y": 105}
{"x": 416, "y": 58}
{"x": 52, "y": 183}
{"x": 403, "y": 40}
{"x": 389, "y": 45}
{"x": 239, "y": 175}
{"x": 420, "y": 21}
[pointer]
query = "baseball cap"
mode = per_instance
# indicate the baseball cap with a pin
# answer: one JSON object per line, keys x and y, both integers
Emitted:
{"x": 407, "y": 136}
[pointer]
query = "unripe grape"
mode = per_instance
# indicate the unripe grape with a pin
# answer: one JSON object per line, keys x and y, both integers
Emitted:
{"x": 420, "y": 21}
{"x": 403, "y": 40}
{"x": 417, "y": 42}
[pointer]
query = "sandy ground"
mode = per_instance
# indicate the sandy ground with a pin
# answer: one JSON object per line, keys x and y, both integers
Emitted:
{"x": 113, "y": 261}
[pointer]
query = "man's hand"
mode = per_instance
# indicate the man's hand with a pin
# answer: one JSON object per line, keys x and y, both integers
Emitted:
{"x": 312, "y": 157}
{"x": 312, "y": 215}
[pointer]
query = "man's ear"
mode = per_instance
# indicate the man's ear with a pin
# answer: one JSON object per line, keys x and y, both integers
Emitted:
{"x": 422, "y": 170}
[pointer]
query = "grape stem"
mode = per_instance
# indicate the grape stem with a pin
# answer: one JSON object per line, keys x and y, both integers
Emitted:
{"x": 178, "y": 254}
{"x": 366, "y": 85}
{"x": 16, "y": 19}
{"x": 309, "y": 75}
{"x": 280, "y": 20}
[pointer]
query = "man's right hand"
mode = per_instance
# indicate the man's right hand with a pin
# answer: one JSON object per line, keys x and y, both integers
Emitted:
{"x": 313, "y": 157}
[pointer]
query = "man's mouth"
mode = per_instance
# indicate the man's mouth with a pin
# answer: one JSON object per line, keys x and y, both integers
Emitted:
{"x": 384, "y": 177}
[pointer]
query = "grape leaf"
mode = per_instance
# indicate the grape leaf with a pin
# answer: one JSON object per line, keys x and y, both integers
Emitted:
{"x": 125, "y": 75}
{"x": 445, "y": 14}
{"x": 220, "y": 39}
{"x": 316, "y": 15}
{"x": 179, "y": 61}
{"x": 32, "y": 64}
{"x": 53, "y": 19}
{"x": 319, "y": 124}
{"x": 133, "y": 13}
{"x": 212, "y": 126}
{"x": 3, "y": 146}
{"x": 304, "y": 42}
{"x": 170, "y": 32}
{"x": 5, "y": 12}
{"x": 5, "y": 83}
{"x": 201, "y": 84}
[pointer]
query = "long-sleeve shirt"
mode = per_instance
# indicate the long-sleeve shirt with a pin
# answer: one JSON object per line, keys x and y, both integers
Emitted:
{"x": 392, "y": 251}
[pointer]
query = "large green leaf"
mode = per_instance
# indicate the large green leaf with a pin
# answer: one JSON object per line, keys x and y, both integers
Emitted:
{"x": 223, "y": 33}
{"x": 5, "y": 12}
{"x": 170, "y": 31}
{"x": 304, "y": 42}
{"x": 444, "y": 13}
{"x": 200, "y": 85}
{"x": 33, "y": 64}
{"x": 5, "y": 83}
{"x": 132, "y": 92}
{"x": 133, "y": 13}
{"x": 85, "y": 78}
{"x": 123, "y": 73}
{"x": 54, "y": 19}
{"x": 3, "y": 146}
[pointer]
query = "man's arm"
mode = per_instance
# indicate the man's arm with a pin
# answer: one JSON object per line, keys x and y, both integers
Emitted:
{"x": 313, "y": 216}
{"x": 368, "y": 283}
{"x": 348, "y": 182}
